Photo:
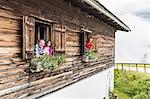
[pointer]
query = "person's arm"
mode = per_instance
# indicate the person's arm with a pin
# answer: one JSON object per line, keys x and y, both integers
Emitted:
{"x": 45, "y": 51}
{"x": 50, "y": 51}
{"x": 37, "y": 50}
{"x": 91, "y": 46}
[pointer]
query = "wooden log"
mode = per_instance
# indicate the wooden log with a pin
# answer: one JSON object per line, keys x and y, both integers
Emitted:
{"x": 13, "y": 78}
{"x": 18, "y": 68}
{"x": 10, "y": 24}
{"x": 73, "y": 53}
{"x": 14, "y": 89}
{"x": 73, "y": 59}
{"x": 72, "y": 49}
{"x": 14, "y": 83}
{"x": 9, "y": 44}
{"x": 73, "y": 39}
{"x": 9, "y": 32}
{"x": 35, "y": 89}
{"x": 71, "y": 33}
{"x": 9, "y": 14}
{"x": 72, "y": 44}
{"x": 53, "y": 84}
{"x": 10, "y": 55}
{"x": 4, "y": 68}
{"x": 10, "y": 37}
{"x": 10, "y": 50}
{"x": 15, "y": 71}
{"x": 2, "y": 62}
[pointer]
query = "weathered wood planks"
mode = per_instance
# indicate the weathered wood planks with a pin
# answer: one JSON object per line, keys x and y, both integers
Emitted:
{"x": 15, "y": 81}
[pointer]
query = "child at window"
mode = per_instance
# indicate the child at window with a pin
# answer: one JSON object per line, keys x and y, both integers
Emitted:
{"x": 39, "y": 48}
{"x": 48, "y": 48}
{"x": 89, "y": 44}
{"x": 88, "y": 49}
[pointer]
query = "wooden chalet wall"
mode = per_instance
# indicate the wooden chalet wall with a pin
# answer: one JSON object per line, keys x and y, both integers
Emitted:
{"x": 15, "y": 79}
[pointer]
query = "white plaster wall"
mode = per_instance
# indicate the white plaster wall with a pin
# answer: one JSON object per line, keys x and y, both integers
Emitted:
{"x": 94, "y": 87}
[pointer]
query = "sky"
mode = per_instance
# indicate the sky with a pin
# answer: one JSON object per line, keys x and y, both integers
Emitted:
{"x": 134, "y": 46}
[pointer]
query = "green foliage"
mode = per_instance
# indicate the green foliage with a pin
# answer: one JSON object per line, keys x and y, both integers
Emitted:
{"x": 112, "y": 95}
{"x": 48, "y": 62}
{"x": 141, "y": 96}
{"x": 33, "y": 60}
{"x": 121, "y": 95}
{"x": 90, "y": 54}
{"x": 132, "y": 84}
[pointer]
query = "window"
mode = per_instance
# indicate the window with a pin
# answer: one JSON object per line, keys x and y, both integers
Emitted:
{"x": 85, "y": 35}
{"x": 42, "y": 31}
{"x": 35, "y": 29}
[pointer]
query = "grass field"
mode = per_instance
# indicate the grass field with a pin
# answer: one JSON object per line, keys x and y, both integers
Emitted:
{"x": 132, "y": 85}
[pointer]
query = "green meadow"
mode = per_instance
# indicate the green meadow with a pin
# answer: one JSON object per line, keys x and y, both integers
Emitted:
{"x": 132, "y": 85}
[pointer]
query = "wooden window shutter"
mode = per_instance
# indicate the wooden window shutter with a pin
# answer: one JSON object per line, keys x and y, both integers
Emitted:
{"x": 63, "y": 41}
{"x": 95, "y": 43}
{"x": 28, "y": 37}
{"x": 59, "y": 37}
{"x": 57, "y": 41}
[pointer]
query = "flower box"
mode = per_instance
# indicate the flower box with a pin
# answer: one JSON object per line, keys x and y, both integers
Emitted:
{"x": 46, "y": 63}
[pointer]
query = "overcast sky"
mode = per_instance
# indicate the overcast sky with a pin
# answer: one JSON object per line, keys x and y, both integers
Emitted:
{"x": 134, "y": 46}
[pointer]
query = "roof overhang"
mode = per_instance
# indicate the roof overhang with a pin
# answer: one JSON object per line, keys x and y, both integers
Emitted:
{"x": 93, "y": 7}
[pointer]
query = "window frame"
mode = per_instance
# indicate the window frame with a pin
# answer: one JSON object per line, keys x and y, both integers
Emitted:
{"x": 84, "y": 33}
{"x": 50, "y": 34}
{"x": 49, "y": 28}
